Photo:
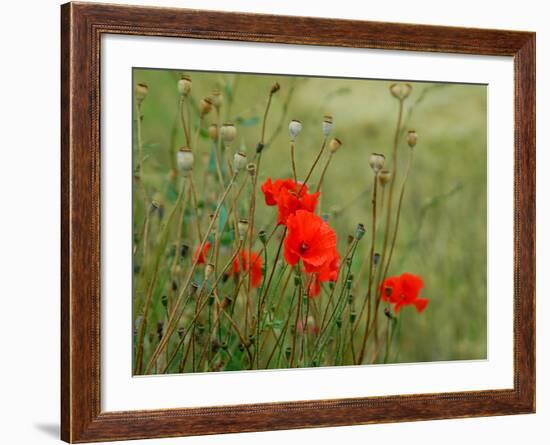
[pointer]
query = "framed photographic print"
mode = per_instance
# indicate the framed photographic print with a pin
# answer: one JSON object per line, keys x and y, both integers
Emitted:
{"x": 278, "y": 222}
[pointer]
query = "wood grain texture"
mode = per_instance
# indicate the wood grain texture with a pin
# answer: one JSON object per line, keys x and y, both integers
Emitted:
{"x": 81, "y": 28}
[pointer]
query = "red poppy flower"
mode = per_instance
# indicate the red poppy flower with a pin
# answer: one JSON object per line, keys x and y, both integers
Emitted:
{"x": 289, "y": 197}
{"x": 200, "y": 257}
{"x": 243, "y": 261}
{"x": 403, "y": 290}
{"x": 313, "y": 241}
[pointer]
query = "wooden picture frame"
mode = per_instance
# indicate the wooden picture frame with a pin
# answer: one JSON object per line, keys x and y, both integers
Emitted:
{"x": 82, "y": 26}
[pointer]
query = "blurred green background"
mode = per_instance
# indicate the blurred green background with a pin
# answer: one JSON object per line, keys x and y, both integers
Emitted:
{"x": 442, "y": 235}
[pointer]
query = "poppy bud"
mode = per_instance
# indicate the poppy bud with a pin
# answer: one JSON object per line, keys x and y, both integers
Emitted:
{"x": 141, "y": 92}
{"x": 205, "y": 106}
{"x": 334, "y": 145}
{"x": 210, "y": 300}
{"x": 360, "y": 231}
{"x": 263, "y": 236}
{"x": 376, "y": 162}
{"x": 184, "y": 85}
{"x": 239, "y": 161}
{"x": 226, "y": 302}
{"x": 388, "y": 314}
{"x": 376, "y": 258}
{"x": 164, "y": 300}
{"x": 294, "y": 129}
{"x": 400, "y": 90}
{"x": 251, "y": 169}
{"x": 243, "y": 228}
{"x": 259, "y": 147}
{"x": 411, "y": 138}
{"x": 208, "y": 271}
{"x": 213, "y": 132}
{"x": 181, "y": 333}
{"x": 275, "y": 87}
{"x": 160, "y": 329}
{"x": 229, "y": 133}
{"x": 185, "y": 160}
{"x": 352, "y": 316}
{"x": 339, "y": 322}
{"x": 327, "y": 124}
{"x": 288, "y": 350}
{"x": 193, "y": 289}
{"x": 384, "y": 177}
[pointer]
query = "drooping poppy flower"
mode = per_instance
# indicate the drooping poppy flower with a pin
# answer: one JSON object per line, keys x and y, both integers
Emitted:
{"x": 289, "y": 197}
{"x": 200, "y": 256}
{"x": 244, "y": 261}
{"x": 311, "y": 240}
{"x": 402, "y": 291}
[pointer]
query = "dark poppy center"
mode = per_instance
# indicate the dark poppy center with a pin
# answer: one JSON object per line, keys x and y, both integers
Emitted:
{"x": 303, "y": 247}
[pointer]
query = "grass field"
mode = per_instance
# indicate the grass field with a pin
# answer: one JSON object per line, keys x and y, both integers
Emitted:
{"x": 442, "y": 231}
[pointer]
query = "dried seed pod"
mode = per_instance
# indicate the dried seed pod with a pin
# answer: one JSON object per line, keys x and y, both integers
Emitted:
{"x": 205, "y": 106}
{"x": 229, "y": 133}
{"x": 185, "y": 160}
{"x": 251, "y": 169}
{"x": 400, "y": 90}
{"x": 411, "y": 138}
{"x": 327, "y": 124}
{"x": 376, "y": 162}
{"x": 216, "y": 98}
{"x": 239, "y": 161}
{"x": 141, "y": 92}
{"x": 334, "y": 145}
{"x": 384, "y": 177}
{"x": 213, "y": 132}
{"x": 184, "y": 85}
{"x": 294, "y": 129}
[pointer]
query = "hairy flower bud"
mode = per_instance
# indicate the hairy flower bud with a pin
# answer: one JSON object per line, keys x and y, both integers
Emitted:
{"x": 185, "y": 160}
{"x": 229, "y": 133}
{"x": 239, "y": 161}
{"x": 411, "y": 138}
{"x": 294, "y": 129}
{"x": 275, "y": 87}
{"x": 184, "y": 85}
{"x": 376, "y": 162}
{"x": 327, "y": 124}
{"x": 334, "y": 145}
